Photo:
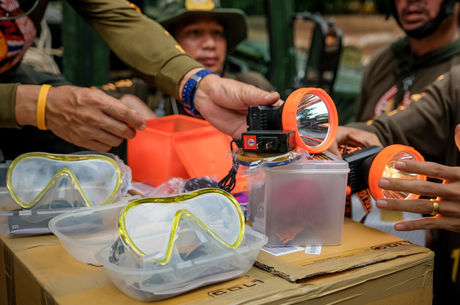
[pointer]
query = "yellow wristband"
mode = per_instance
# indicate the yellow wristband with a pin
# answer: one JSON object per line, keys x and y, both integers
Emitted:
{"x": 41, "y": 106}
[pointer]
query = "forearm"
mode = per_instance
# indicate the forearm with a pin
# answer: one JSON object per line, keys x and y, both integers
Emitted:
{"x": 427, "y": 124}
{"x": 139, "y": 42}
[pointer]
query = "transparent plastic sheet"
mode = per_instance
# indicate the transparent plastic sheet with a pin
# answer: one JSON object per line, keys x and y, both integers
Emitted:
{"x": 46, "y": 198}
{"x": 177, "y": 185}
{"x": 196, "y": 258}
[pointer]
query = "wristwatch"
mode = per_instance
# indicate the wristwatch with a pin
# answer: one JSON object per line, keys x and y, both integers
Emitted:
{"x": 188, "y": 92}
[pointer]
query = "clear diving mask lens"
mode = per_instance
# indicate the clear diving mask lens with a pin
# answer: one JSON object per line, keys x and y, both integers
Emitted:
{"x": 42, "y": 179}
{"x": 158, "y": 229}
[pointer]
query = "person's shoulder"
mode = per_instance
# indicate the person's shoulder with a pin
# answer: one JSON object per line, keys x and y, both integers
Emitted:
{"x": 453, "y": 73}
{"x": 456, "y": 60}
{"x": 382, "y": 57}
{"x": 253, "y": 78}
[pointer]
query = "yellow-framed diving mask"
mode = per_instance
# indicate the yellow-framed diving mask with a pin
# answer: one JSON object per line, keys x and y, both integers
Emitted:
{"x": 45, "y": 180}
{"x": 157, "y": 229}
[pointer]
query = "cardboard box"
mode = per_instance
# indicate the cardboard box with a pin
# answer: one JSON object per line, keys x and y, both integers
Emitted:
{"x": 370, "y": 267}
{"x": 361, "y": 246}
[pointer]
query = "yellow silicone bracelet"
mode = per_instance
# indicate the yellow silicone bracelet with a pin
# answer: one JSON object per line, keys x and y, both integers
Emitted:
{"x": 41, "y": 106}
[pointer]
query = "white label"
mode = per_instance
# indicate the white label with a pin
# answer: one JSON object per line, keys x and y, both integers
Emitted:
{"x": 281, "y": 250}
{"x": 313, "y": 249}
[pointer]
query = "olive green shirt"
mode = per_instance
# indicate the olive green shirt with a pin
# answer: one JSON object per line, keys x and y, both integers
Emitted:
{"x": 137, "y": 40}
{"x": 379, "y": 76}
{"x": 428, "y": 123}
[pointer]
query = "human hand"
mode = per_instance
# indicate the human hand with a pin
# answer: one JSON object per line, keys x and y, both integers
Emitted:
{"x": 448, "y": 194}
{"x": 85, "y": 117}
{"x": 137, "y": 104}
{"x": 224, "y": 103}
{"x": 353, "y": 137}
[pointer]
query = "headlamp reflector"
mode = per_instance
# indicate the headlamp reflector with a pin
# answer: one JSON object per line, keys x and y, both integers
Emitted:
{"x": 311, "y": 114}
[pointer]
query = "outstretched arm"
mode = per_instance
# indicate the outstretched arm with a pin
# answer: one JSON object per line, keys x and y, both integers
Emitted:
{"x": 224, "y": 102}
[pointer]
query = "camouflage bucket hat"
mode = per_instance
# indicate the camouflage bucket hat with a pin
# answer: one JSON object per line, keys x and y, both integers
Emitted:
{"x": 170, "y": 12}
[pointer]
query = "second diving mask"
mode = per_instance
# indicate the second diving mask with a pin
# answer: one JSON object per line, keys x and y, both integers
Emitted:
{"x": 158, "y": 229}
{"x": 41, "y": 179}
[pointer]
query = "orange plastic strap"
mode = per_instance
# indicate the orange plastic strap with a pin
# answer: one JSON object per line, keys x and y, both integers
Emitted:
{"x": 41, "y": 106}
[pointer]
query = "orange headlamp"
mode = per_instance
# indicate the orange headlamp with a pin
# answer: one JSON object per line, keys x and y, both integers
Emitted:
{"x": 369, "y": 164}
{"x": 307, "y": 120}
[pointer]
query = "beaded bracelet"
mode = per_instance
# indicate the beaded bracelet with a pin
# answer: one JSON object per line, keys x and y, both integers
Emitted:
{"x": 188, "y": 92}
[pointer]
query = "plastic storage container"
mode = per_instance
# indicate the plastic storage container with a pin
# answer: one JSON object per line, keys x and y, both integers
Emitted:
{"x": 178, "y": 146}
{"x": 84, "y": 232}
{"x": 160, "y": 282}
{"x": 301, "y": 203}
{"x": 17, "y": 222}
{"x": 89, "y": 235}
{"x": 3, "y": 171}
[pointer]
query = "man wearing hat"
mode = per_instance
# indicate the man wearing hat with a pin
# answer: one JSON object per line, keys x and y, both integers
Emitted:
{"x": 206, "y": 32}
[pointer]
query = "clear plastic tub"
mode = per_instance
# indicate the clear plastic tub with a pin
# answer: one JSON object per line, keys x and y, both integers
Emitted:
{"x": 84, "y": 232}
{"x": 301, "y": 203}
{"x": 91, "y": 236}
{"x": 15, "y": 222}
{"x": 3, "y": 171}
{"x": 154, "y": 282}
{"x": 18, "y": 222}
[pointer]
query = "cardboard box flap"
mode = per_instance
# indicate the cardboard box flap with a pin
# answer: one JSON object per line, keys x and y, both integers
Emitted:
{"x": 364, "y": 246}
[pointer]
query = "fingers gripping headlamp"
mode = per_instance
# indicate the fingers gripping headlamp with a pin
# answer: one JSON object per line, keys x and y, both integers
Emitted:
{"x": 307, "y": 120}
{"x": 369, "y": 164}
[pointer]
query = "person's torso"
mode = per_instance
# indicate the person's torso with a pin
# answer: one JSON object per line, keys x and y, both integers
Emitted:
{"x": 381, "y": 85}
